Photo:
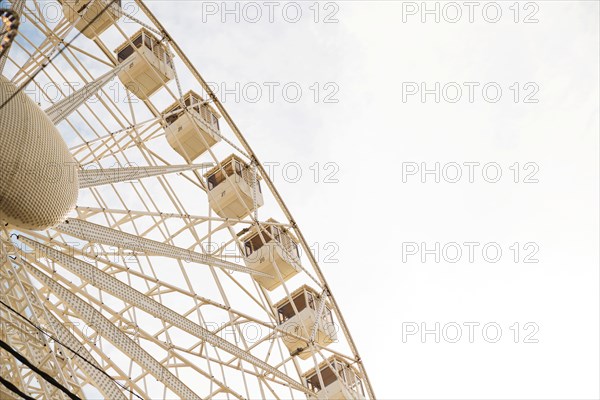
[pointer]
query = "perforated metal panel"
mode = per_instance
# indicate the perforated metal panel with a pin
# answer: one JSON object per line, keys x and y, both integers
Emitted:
{"x": 38, "y": 180}
{"x": 119, "y": 339}
{"x": 96, "y": 177}
{"x": 100, "y": 234}
{"x": 106, "y": 385}
{"x": 131, "y": 296}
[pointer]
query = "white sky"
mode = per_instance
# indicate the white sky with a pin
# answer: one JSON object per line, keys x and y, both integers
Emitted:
{"x": 369, "y": 53}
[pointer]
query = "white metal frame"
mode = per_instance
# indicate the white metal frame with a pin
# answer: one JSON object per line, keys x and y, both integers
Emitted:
{"x": 200, "y": 336}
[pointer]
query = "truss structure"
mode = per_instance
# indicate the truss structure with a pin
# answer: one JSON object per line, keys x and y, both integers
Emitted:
{"x": 143, "y": 292}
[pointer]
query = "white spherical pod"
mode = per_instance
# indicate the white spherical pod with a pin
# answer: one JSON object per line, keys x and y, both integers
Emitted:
{"x": 38, "y": 175}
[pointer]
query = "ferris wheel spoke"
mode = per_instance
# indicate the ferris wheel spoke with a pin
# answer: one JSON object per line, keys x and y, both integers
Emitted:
{"x": 130, "y": 296}
{"x": 99, "y": 234}
{"x": 85, "y": 360}
{"x": 108, "y": 330}
{"x": 44, "y": 51}
{"x": 90, "y": 342}
{"x": 61, "y": 109}
{"x": 97, "y": 177}
{"x": 25, "y": 340}
{"x": 115, "y": 269}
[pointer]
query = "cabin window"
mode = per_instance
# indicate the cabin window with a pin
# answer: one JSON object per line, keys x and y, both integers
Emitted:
{"x": 148, "y": 41}
{"x": 327, "y": 375}
{"x": 137, "y": 42}
{"x": 352, "y": 380}
{"x": 215, "y": 179}
{"x": 125, "y": 53}
{"x": 173, "y": 117}
{"x": 233, "y": 167}
{"x": 192, "y": 102}
{"x": 129, "y": 50}
{"x": 256, "y": 242}
{"x": 176, "y": 112}
{"x": 287, "y": 311}
{"x": 328, "y": 318}
{"x": 345, "y": 372}
{"x": 276, "y": 233}
{"x": 292, "y": 248}
{"x": 311, "y": 301}
{"x": 215, "y": 121}
{"x": 238, "y": 168}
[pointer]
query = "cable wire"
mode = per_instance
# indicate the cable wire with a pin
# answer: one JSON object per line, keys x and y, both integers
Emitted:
{"x": 51, "y": 337}
{"x": 43, "y": 374}
{"x": 10, "y": 386}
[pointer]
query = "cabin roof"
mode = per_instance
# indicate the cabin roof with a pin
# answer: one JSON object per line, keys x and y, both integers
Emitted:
{"x": 325, "y": 363}
{"x": 271, "y": 221}
{"x": 135, "y": 35}
{"x": 189, "y": 93}
{"x": 295, "y": 293}
{"x": 223, "y": 162}
{"x": 254, "y": 229}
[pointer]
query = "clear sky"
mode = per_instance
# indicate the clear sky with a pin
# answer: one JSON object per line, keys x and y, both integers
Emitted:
{"x": 546, "y": 120}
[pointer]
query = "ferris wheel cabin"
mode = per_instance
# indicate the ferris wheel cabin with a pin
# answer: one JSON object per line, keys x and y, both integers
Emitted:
{"x": 307, "y": 302}
{"x": 192, "y": 130}
{"x": 272, "y": 250}
{"x": 150, "y": 64}
{"x": 90, "y": 19}
{"x": 335, "y": 379}
{"x": 233, "y": 189}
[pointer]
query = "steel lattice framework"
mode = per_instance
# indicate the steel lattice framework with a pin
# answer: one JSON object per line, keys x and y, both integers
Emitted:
{"x": 142, "y": 292}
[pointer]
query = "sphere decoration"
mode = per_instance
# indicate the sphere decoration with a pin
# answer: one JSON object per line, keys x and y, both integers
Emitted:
{"x": 38, "y": 174}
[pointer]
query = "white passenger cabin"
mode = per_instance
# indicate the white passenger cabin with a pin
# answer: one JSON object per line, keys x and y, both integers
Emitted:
{"x": 193, "y": 131}
{"x": 307, "y": 302}
{"x": 150, "y": 64}
{"x": 335, "y": 379}
{"x": 233, "y": 189}
{"x": 82, "y": 13}
{"x": 269, "y": 250}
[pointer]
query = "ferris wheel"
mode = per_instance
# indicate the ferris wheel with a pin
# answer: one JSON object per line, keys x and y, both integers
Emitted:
{"x": 144, "y": 251}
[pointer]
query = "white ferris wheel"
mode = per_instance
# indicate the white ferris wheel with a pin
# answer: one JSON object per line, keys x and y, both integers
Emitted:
{"x": 144, "y": 251}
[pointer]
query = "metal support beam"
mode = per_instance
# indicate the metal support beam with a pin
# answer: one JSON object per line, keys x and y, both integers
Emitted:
{"x": 112, "y": 333}
{"x": 63, "y": 108}
{"x": 85, "y": 361}
{"x": 94, "y": 233}
{"x": 115, "y": 287}
{"x": 97, "y": 177}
